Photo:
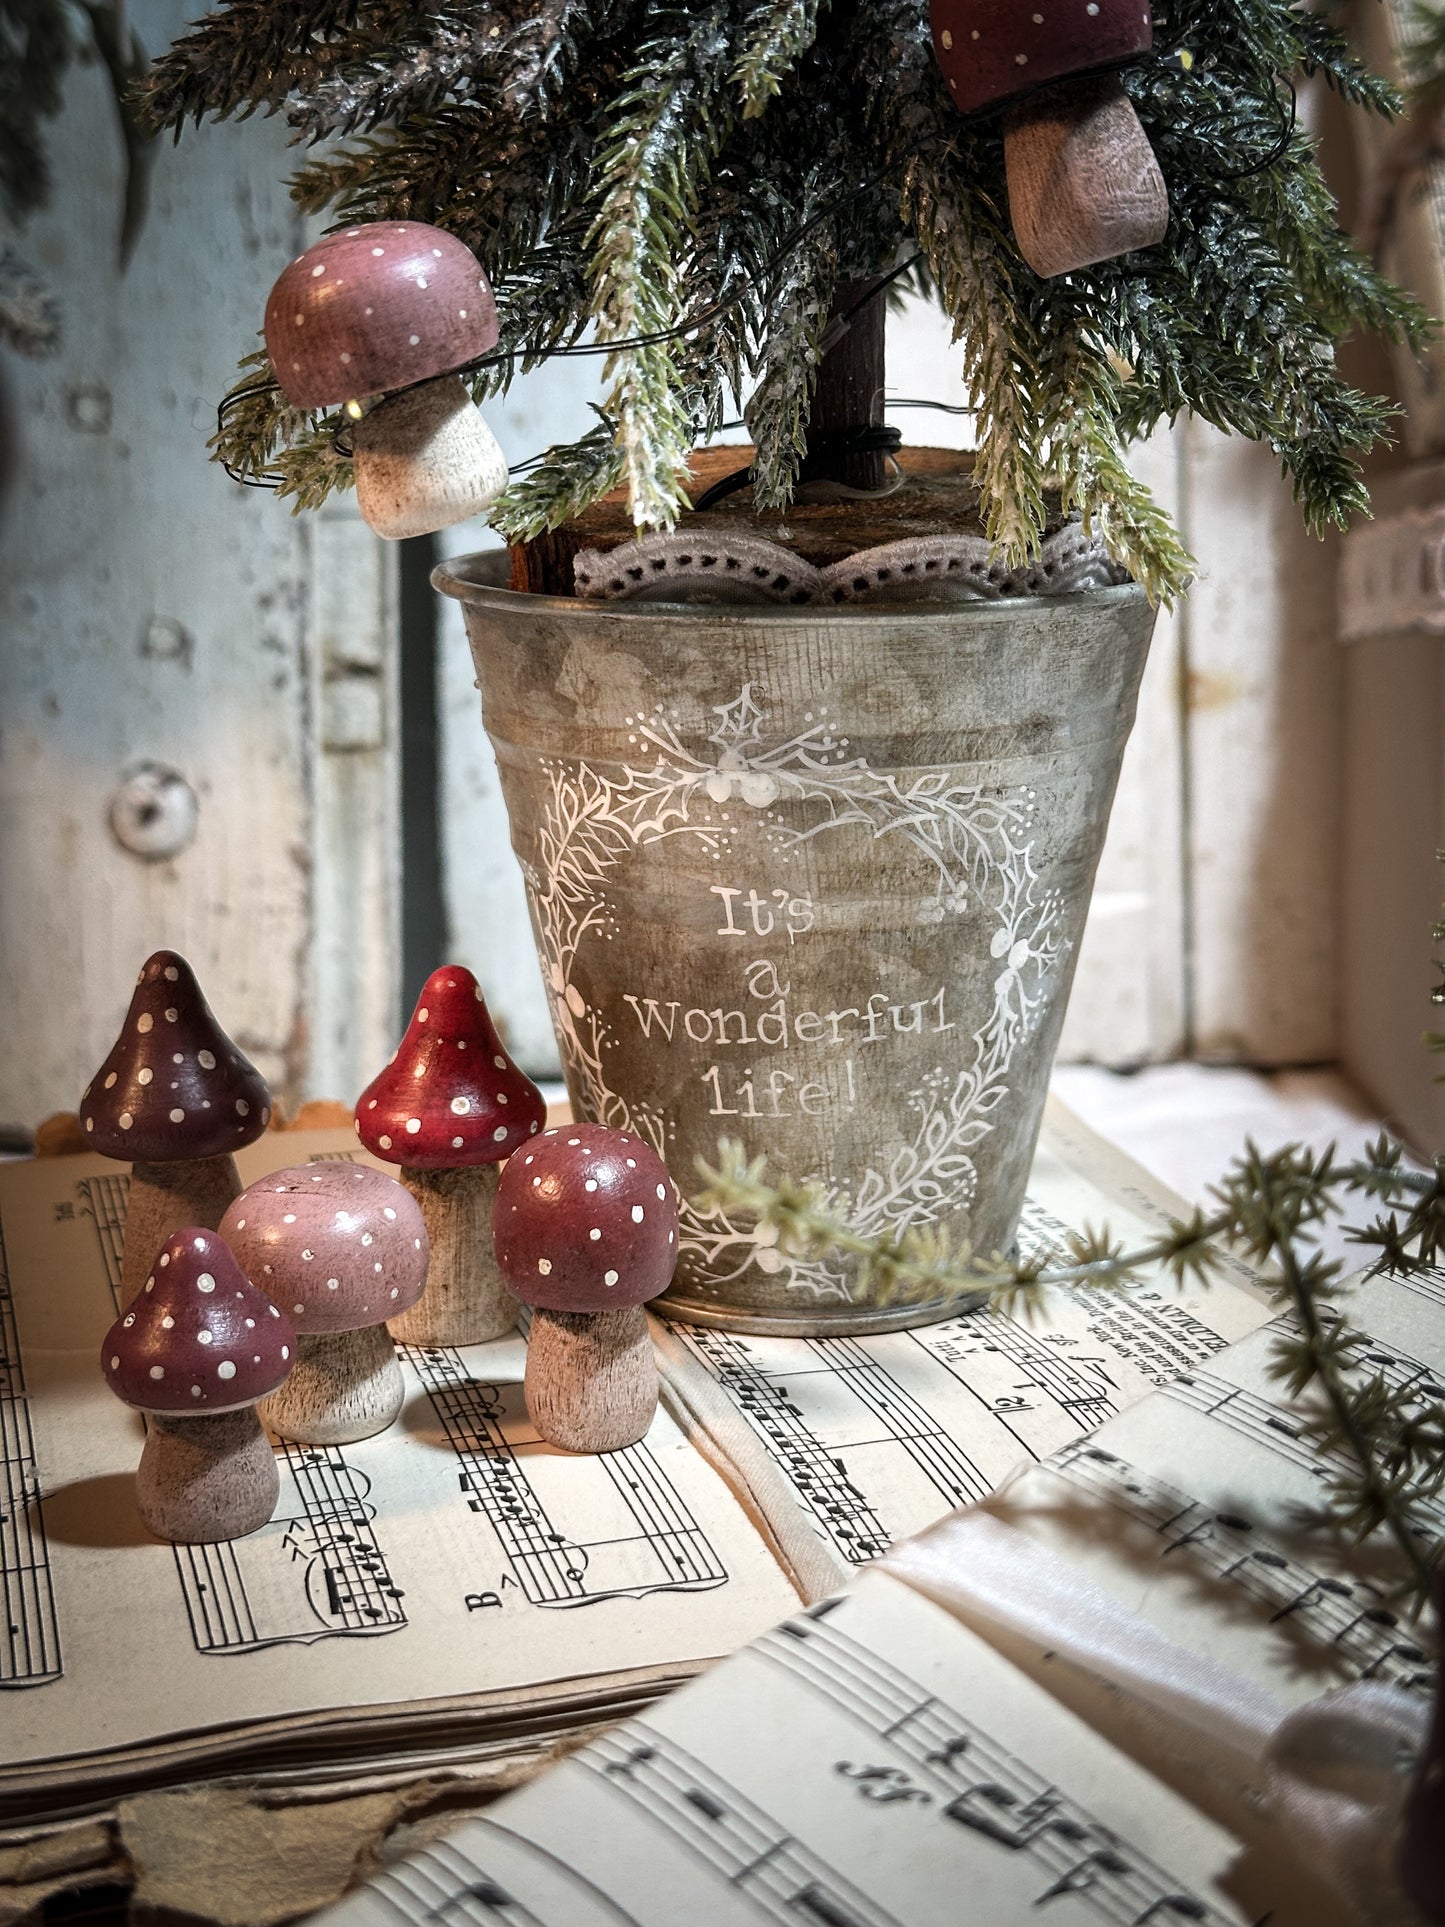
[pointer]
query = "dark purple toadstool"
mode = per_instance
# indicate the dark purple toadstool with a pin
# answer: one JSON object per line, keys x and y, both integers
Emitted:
{"x": 392, "y": 308}
{"x": 341, "y": 1248}
{"x": 449, "y": 1108}
{"x": 196, "y": 1350}
{"x": 177, "y": 1098}
{"x": 586, "y": 1233}
{"x": 1083, "y": 182}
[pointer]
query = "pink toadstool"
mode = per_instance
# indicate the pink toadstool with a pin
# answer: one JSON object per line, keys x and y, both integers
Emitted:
{"x": 1083, "y": 182}
{"x": 177, "y": 1098}
{"x": 195, "y": 1351}
{"x": 339, "y": 1247}
{"x": 586, "y": 1233}
{"x": 449, "y": 1108}
{"x": 392, "y": 308}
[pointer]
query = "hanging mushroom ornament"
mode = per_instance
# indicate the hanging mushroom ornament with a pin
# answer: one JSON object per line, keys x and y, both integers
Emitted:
{"x": 449, "y": 1108}
{"x": 1083, "y": 182}
{"x": 339, "y": 1247}
{"x": 586, "y": 1233}
{"x": 194, "y": 1352}
{"x": 177, "y": 1098}
{"x": 390, "y": 309}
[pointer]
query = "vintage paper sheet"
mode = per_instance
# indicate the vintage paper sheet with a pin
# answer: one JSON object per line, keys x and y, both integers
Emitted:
{"x": 1192, "y": 1510}
{"x": 875, "y": 1438}
{"x": 870, "y": 1763}
{"x": 453, "y": 1555}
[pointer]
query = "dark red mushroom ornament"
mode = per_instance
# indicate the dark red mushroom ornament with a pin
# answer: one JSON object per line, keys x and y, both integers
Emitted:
{"x": 450, "y": 1108}
{"x": 391, "y": 309}
{"x": 176, "y": 1098}
{"x": 195, "y": 1351}
{"x": 1083, "y": 182}
{"x": 586, "y": 1234}
{"x": 340, "y": 1248}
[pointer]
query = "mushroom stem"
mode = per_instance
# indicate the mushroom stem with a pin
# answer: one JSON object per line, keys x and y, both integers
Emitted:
{"x": 1083, "y": 183}
{"x": 206, "y": 1478}
{"x": 465, "y": 1301}
{"x": 163, "y": 1199}
{"x": 426, "y": 459}
{"x": 344, "y": 1386}
{"x": 591, "y": 1378}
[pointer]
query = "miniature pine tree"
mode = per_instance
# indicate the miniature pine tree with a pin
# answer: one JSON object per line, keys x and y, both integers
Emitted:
{"x": 699, "y": 181}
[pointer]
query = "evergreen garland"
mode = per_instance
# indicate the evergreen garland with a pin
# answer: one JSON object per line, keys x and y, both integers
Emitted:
{"x": 633, "y": 165}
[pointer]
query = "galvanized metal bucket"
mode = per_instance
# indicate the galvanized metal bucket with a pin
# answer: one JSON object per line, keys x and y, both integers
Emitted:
{"x": 813, "y": 878}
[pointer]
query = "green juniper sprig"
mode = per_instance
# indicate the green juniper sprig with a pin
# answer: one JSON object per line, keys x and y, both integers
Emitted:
{"x": 1389, "y": 1449}
{"x": 713, "y": 173}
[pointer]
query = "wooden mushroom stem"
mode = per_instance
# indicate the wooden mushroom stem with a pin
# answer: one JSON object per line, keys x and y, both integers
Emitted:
{"x": 206, "y": 1477}
{"x": 1083, "y": 183}
{"x": 163, "y": 1199}
{"x": 343, "y": 1386}
{"x": 424, "y": 460}
{"x": 591, "y": 1378}
{"x": 465, "y": 1301}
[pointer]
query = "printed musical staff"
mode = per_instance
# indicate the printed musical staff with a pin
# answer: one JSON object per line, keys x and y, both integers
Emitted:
{"x": 444, "y": 1887}
{"x": 663, "y": 1548}
{"x": 317, "y": 1571}
{"x": 975, "y": 1783}
{"x": 1080, "y": 1388}
{"x": 819, "y": 1477}
{"x": 1348, "y": 1617}
{"x": 739, "y": 1843}
{"x": 30, "y": 1634}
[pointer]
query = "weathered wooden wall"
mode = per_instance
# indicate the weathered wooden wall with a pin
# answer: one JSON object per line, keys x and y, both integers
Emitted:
{"x": 154, "y": 614}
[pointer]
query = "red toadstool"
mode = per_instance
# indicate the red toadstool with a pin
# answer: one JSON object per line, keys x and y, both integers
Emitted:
{"x": 449, "y": 1108}
{"x": 177, "y": 1098}
{"x": 195, "y": 1351}
{"x": 586, "y": 1233}
{"x": 1084, "y": 185}
{"x": 392, "y": 308}
{"x": 339, "y": 1247}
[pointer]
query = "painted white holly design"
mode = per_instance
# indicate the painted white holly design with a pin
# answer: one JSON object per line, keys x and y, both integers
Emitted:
{"x": 978, "y": 843}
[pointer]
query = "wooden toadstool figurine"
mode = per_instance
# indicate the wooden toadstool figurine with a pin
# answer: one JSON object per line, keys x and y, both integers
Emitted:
{"x": 586, "y": 1233}
{"x": 1083, "y": 182}
{"x": 177, "y": 1098}
{"x": 450, "y": 1108}
{"x": 391, "y": 308}
{"x": 195, "y": 1351}
{"x": 340, "y": 1247}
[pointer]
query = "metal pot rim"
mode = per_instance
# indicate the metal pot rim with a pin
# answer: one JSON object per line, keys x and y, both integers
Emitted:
{"x": 481, "y": 579}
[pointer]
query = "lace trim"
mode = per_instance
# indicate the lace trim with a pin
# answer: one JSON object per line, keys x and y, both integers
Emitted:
{"x": 749, "y": 569}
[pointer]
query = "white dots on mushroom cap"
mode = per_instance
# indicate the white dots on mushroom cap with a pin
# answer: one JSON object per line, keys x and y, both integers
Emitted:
{"x": 609, "y": 1277}
{"x": 144, "y": 1022}
{"x": 638, "y": 1214}
{"x": 225, "y": 1369}
{"x": 142, "y": 1077}
{"x": 544, "y": 1265}
{"x": 205, "y": 1282}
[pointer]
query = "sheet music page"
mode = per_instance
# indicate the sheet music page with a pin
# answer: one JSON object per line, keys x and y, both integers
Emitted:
{"x": 878, "y": 1437}
{"x": 453, "y": 1555}
{"x": 1191, "y": 1510}
{"x": 870, "y": 1763}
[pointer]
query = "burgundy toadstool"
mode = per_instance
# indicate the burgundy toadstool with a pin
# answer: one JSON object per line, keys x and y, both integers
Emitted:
{"x": 177, "y": 1098}
{"x": 1083, "y": 182}
{"x": 586, "y": 1233}
{"x": 391, "y": 308}
{"x": 195, "y": 1351}
{"x": 340, "y": 1247}
{"x": 449, "y": 1108}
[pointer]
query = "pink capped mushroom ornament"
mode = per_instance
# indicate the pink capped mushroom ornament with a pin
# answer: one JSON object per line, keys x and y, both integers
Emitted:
{"x": 176, "y": 1098}
{"x": 1083, "y": 182}
{"x": 194, "y": 1352}
{"x": 393, "y": 309}
{"x": 340, "y": 1248}
{"x": 586, "y": 1234}
{"x": 450, "y": 1108}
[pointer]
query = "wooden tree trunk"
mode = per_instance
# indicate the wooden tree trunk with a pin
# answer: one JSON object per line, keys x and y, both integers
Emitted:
{"x": 850, "y": 386}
